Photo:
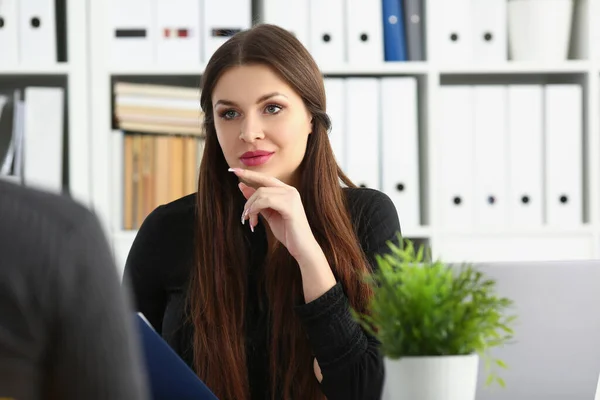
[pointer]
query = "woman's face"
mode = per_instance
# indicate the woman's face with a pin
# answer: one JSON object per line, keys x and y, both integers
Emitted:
{"x": 261, "y": 122}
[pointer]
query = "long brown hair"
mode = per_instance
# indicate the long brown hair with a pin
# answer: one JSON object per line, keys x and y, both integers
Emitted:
{"x": 218, "y": 282}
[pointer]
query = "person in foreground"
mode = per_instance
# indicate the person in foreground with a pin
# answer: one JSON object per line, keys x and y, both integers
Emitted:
{"x": 66, "y": 325}
{"x": 252, "y": 278}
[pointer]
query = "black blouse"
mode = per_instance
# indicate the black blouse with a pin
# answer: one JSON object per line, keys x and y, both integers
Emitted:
{"x": 158, "y": 268}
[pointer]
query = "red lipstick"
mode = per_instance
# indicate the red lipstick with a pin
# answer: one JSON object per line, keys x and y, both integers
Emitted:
{"x": 255, "y": 158}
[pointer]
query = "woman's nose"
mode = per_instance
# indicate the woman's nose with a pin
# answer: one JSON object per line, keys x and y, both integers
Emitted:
{"x": 251, "y": 129}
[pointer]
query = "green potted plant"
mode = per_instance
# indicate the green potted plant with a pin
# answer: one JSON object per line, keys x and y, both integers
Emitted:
{"x": 435, "y": 322}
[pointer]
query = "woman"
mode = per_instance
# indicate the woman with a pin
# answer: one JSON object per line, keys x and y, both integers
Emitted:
{"x": 251, "y": 279}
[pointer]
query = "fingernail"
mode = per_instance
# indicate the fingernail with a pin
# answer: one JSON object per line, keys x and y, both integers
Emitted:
{"x": 242, "y": 218}
{"x": 252, "y": 227}
{"x": 236, "y": 170}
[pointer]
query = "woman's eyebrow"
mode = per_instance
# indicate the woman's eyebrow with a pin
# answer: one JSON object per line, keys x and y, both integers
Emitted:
{"x": 260, "y": 99}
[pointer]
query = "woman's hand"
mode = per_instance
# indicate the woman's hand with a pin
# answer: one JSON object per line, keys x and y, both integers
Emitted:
{"x": 317, "y": 369}
{"x": 281, "y": 206}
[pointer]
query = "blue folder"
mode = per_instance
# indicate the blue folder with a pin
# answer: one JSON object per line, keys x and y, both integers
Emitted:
{"x": 394, "y": 34}
{"x": 168, "y": 375}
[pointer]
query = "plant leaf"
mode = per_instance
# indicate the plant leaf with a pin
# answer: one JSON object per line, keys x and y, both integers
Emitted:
{"x": 422, "y": 306}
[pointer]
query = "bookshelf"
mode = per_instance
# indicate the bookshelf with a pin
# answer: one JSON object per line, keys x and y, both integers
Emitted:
{"x": 389, "y": 68}
{"x": 394, "y": 68}
{"x": 70, "y": 72}
{"x": 62, "y": 68}
{"x": 579, "y": 241}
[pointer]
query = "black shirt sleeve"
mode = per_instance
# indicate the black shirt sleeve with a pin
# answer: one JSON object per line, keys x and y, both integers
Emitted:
{"x": 350, "y": 361}
{"x": 144, "y": 269}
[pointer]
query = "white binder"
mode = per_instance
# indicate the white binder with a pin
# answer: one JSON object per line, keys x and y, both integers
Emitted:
{"x": 400, "y": 146}
{"x": 525, "y": 149}
{"x": 517, "y": 246}
{"x": 564, "y": 154}
{"x": 491, "y": 155}
{"x": 362, "y": 129}
{"x": 490, "y": 43}
{"x": 456, "y": 158}
{"x": 582, "y": 34}
{"x": 452, "y": 31}
{"x": 335, "y": 91}
{"x": 18, "y": 132}
{"x": 290, "y": 15}
{"x": 9, "y": 42}
{"x": 327, "y": 33}
{"x": 223, "y": 19}
{"x": 117, "y": 157}
{"x": 37, "y": 32}
{"x": 121, "y": 247}
{"x": 11, "y": 132}
{"x": 43, "y": 138}
{"x": 178, "y": 32}
{"x": 364, "y": 31}
{"x": 132, "y": 33}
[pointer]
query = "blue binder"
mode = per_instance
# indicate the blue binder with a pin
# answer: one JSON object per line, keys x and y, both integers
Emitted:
{"x": 394, "y": 33}
{"x": 168, "y": 375}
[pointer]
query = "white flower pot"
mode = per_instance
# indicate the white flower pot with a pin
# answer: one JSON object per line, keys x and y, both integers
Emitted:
{"x": 431, "y": 378}
{"x": 539, "y": 30}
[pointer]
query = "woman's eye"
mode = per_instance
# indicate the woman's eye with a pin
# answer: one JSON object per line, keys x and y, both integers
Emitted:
{"x": 272, "y": 109}
{"x": 229, "y": 114}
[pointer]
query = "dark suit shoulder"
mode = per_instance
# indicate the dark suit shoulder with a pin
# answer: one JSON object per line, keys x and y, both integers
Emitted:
{"x": 23, "y": 207}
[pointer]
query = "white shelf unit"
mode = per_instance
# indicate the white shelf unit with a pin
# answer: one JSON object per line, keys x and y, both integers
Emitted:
{"x": 73, "y": 75}
{"x": 388, "y": 68}
{"x": 581, "y": 241}
{"x": 62, "y": 68}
